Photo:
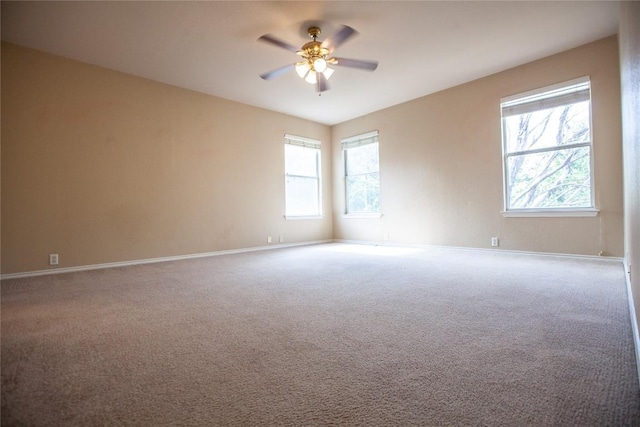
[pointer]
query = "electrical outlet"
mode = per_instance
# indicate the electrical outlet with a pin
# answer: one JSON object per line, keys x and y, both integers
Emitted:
{"x": 53, "y": 259}
{"x": 386, "y": 236}
{"x": 281, "y": 239}
{"x": 495, "y": 242}
{"x": 268, "y": 239}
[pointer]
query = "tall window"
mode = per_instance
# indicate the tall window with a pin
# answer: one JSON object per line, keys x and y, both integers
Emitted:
{"x": 302, "y": 177}
{"x": 547, "y": 148}
{"x": 362, "y": 173}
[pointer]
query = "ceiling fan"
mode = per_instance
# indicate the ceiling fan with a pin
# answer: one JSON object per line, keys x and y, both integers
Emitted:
{"x": 316, "y": 57}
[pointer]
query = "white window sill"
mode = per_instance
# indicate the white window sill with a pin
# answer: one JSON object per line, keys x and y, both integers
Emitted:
{"x": 298, "y": 217}
{"x": 548, "y": 213}
{"x": 362, "y": 215}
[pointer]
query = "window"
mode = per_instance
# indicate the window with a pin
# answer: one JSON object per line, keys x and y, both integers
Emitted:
{"x": 303, "y": 196}
{"x": 547, "y": 150}
{"x": 362, "y": 174}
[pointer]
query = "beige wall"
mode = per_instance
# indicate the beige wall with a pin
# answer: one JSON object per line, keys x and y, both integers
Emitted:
{"x": 100, "y": 166}
{"x": 630, "y": 73}
{"x": 441, "y": 170}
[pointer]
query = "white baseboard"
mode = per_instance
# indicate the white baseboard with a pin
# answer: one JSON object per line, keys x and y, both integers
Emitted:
{"x": 634, "y": 318}
{"x": 417, "y": 246}
{"x": 154, "y": 260}
{"x": 278, "y": 246}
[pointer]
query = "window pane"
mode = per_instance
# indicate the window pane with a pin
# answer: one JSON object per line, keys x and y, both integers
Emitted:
{"x": 363, "y": 193}
{"x": 300, "y": 160}
{"x": 553, "y": 179}
{"x": 363, "y": 159}
{"x": 302, "y": 196}
{"x": 553, "y": 127}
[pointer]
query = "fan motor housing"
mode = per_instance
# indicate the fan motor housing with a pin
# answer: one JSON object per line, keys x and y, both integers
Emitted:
{"x": 313, "y": 49}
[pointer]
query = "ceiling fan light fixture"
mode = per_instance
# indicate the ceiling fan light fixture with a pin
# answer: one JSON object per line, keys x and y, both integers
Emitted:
{"x": 328, "y": 72}
{"x": 320, "y": 65}
{"x": 302, "y": 69}
{"x": 311, "y": 77}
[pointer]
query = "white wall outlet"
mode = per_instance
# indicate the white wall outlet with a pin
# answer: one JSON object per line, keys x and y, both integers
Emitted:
{"x": 281, "y": 239}
{"x": 386, "y": 236}
{"x": 495, "y": 242}
{"x": 268, "y": 239}
{"x": 53, "y": 259}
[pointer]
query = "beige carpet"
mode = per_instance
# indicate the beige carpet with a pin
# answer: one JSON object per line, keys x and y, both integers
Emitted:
{"x": 330, "y": 334}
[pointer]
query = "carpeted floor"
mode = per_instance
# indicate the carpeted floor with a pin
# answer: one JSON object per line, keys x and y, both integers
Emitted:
{"x": 331, "y": 334}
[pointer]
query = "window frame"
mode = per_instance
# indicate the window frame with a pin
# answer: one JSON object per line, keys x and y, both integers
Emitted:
{"x": 355, "y": 142}
{"x": 528, "y": 103}
{"x": 311, "y": 144}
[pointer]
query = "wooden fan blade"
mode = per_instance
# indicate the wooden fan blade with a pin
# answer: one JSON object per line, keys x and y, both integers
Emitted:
{"x": 268, "y": 38}
{"x": 338, "y": 38}
{"x": 322, "y": 83}
{"x": 277, "y": 72}
{"x": 357, "y": 63}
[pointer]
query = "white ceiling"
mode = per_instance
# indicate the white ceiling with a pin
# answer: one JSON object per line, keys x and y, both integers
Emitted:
{"x": 212, "y": 47}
